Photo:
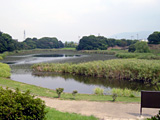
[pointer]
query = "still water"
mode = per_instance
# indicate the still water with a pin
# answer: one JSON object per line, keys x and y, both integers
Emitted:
{"x": 21, "y": 71}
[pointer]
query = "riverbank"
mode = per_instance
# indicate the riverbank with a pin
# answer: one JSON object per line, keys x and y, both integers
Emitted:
{"x": 39, "y": 91}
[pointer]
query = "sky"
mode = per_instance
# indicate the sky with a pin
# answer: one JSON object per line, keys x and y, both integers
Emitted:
{"x": 69, "y": 20}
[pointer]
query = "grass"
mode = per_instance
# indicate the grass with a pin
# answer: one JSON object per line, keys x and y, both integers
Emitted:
{"x": 125, "y": 92}
{"x": 57, "y": 115}
{"x": 148, "y": 56}
{"x": 67, "y": 49}
{"x": 108, "y": 52}
{"x": 146, "y": 71}
{"x": 39, "y": 91}
{"x": 4, "y": 70}
{"x": 98, "y": 91}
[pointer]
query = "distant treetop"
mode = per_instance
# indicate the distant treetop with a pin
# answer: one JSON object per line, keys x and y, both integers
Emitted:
{"x": 154, "y": 38}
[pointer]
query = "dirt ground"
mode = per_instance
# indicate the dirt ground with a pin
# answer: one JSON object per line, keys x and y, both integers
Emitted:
{"x": 102, "y": 110}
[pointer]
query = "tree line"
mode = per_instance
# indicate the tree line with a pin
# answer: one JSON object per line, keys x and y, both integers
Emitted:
{"x": 99, "y": 42}
{"x": 86, "y": 43}
{"x": 9, "y": 44}
{"x": 102, "y": 43}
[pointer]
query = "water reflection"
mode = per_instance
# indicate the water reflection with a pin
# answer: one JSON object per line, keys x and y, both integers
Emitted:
{"x": 100, "y": 82}
{"x": 55, "y": 55}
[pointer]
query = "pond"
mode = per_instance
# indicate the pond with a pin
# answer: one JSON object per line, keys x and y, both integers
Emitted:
{"x": 21, "y": 71}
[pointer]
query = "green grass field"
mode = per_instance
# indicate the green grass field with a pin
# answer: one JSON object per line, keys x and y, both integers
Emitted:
{"x": 57, "y": 115}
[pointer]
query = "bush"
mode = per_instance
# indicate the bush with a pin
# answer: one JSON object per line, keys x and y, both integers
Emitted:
{"x": 59, "y": 91}
{"x": 125, "y": 92}
{"x": 20, "y": 106}
{"x": 98, "y": 91}
{"x": 74, "y": 93}
{"x": 132, "y": 48}
{"x": 156, "y": 117}
{"x": 142, "y": 47}
{"x": 114, "y": 96}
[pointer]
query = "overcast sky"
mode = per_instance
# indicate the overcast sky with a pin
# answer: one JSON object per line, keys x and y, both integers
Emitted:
{"x": 68, "y": 19}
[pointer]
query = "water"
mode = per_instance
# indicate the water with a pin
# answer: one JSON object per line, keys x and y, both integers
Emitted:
{"x": 21, "y": 71}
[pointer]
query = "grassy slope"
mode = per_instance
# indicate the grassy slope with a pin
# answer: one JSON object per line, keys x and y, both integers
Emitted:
{"x": 4, "y": 70}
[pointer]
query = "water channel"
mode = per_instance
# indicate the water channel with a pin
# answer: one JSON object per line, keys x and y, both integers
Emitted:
{"x": 22, "y": 72}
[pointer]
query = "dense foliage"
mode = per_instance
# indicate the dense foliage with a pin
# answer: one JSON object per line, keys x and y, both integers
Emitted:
{"x": 8, "y": 44}
{"x": 20, "y": 106}
{"x": 94, "y": 43}
{"x": 139, "y": 47}
{"x": 70, "y": 44}
{"x": 43, "y": 43}
{"x": 154, "y": 38}
{"x": 5, "y": 70}
{"x": 146, "y": 71}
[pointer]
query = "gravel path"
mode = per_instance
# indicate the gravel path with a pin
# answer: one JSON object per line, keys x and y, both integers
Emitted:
{"x": 102, "y": 110}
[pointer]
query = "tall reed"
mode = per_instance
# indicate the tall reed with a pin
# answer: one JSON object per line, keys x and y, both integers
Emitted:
{"x": 147, "y": 71}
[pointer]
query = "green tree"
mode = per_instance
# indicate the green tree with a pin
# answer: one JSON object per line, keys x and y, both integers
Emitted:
{"x": 7, "y": 43}
{"x": 132, "y": 48}
{"x": 154, "y": 38}
{"x": 142, "y": 47}
{"x": 92, "y": 43}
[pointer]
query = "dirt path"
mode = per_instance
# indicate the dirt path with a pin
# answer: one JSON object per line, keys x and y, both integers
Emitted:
{"x": 103, "y": 110}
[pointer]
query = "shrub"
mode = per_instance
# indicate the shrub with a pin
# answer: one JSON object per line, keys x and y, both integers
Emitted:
{"x": 74, "y": 93}
{"x": 132, "y": 48}
{"x": 20, "y": 106}
{"x": 125, "y": 92}
{"x": 114, "y": 96}
{"x": 59, "y": 91}
{"x": 142, "y": 47}
{"x": 98, "y": 91}
{"x": 156, "y": 117}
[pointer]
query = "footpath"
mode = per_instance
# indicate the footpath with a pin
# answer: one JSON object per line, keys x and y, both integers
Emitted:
{"x": 102, "y": 110}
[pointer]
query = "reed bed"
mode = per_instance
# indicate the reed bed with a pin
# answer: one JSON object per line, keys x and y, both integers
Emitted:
{"x": 98, "y": 52}
{"x": 148, "y": 56}
{"x": 146, "y": 71}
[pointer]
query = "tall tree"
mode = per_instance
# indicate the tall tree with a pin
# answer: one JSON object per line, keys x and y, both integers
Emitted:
{"x": 154, "y": 38}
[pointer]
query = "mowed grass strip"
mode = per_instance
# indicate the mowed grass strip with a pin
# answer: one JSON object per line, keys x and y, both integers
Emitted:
{"x": 57, "y": 115}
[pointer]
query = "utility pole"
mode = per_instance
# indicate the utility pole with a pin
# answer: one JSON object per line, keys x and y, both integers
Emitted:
{"x": 24, "y": 35}
{"x": 137, "y": 36}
